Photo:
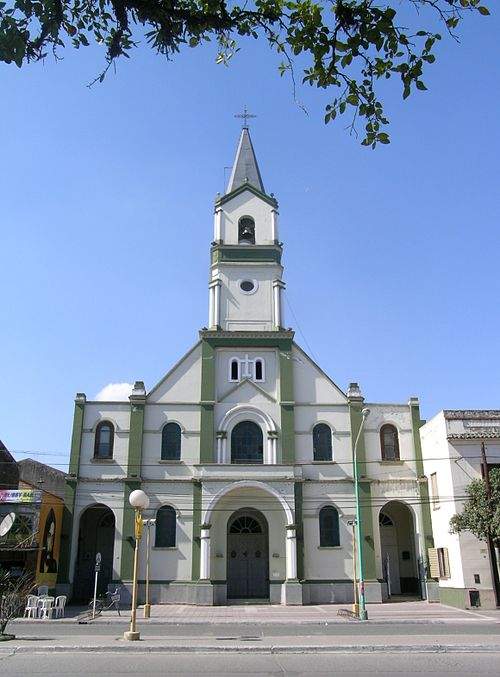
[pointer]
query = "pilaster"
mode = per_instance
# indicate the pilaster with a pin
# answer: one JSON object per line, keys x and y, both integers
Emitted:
{"x": 196, "y": 537}
{"x": 207, "y": 402}
{"x": 133, "y": 479}
{"x": 70, "y": 490}
{"x": 416, "y": 424}
{"x": 355, "y": 401}
{"x": 298, "y": 495}
{"x": 287, "y": 404}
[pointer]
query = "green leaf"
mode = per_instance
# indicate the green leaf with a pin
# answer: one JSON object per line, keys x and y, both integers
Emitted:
{"x": 483, "y": 10}
{"x": 421, "y": 86}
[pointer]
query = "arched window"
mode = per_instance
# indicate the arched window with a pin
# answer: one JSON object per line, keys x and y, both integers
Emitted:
{"x": 235, "y": 370}
{"x": 322, "y": 442}
{"x": 246, "y": 443}
{"x": 104, "y": 438}
{"x": 166, "y": 523}
{"x": 329, "y": 532}
{"x": 171, "y": 442}
{"x": 259, "y": 370}
{"x": 246, "y": 230}
{"x": 389, "y": 443}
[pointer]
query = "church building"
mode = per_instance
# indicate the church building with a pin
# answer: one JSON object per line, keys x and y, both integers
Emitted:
{"x": 245, "y": 449}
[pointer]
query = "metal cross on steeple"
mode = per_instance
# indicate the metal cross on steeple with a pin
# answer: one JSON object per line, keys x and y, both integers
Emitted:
{"x": 246, "y": 116}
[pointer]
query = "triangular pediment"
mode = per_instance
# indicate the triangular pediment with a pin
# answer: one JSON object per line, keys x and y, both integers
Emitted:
{"x": 246, "y": 391}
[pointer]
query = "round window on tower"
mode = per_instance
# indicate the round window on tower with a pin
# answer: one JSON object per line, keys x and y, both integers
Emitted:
{"x": 248, "y": 286}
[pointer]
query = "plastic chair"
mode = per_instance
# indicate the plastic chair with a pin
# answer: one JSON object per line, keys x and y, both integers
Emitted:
{"x": 31, "y": 608}
{"x": 43, "y": 590}
{"x": 45, "y": 607}
{"x": 59, "y": 605}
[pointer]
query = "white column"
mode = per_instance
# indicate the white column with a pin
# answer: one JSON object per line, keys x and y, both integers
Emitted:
{"x": 291, "y": 553}
{"x": 211, "y": 306}
{"x": 217, "y": 303}
{"x": 219, "y": 449}
{"x": 218, "y": 225}
{"x": 205, "y": 552}
{"x": 274, "y": 225}
{"x": 277, "y": 287}
{"x": 224, "y": 450}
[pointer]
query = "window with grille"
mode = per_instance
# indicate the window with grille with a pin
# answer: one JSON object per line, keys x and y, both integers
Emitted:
{"x": 247, "y": 443}
{"x": 322, "y": 442}
{"x": 171, "y": 442}
{"x": 329, "y": 527}
{"x": 104, "y": 439}
{"x": 245, "y": 525}
{"x": 389, "y": 443}
{"x": 166, "y": 523}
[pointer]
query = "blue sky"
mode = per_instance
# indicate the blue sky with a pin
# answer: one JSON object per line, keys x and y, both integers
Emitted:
{"x": 391, "y": 256}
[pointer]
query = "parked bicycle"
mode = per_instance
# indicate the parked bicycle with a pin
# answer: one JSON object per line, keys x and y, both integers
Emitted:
{"x": 109, "y": 601}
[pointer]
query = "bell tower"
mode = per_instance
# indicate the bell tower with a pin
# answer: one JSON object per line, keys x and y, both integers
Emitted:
{"x": 246, "y": 272}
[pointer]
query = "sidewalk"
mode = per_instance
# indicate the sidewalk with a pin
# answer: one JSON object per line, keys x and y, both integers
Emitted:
{"x": 263, "y": 614}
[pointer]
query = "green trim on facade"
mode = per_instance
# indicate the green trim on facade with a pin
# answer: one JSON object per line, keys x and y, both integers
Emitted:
{"x": 134, "y": 459}
{"x": 299, "y": 525}
{"x": 416, "y": 424}
{"x": 76, "y": 436}
{"x": 128, "y": 532}
{"x": 365, "y": 493}
{"x": 196, "y": 545}
{"x": 269, "y": 339}
{"x": 67, "y": 530}
{"x": 287, "y": 397}
{"x": 70, "y": 490}
{"x": 207, "y": 430}
{"x": 241, "y": 189}
{"x": 365, "y": 498}
{"x": 246, "y": 254}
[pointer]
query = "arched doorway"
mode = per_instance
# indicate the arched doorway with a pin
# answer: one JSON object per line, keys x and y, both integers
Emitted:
{"x": 247, "y": 555}
{"x": 397, "y": 546}
{"x": 96, "y": 534}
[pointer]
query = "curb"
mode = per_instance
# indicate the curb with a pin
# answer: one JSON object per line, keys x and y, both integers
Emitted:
{"x": 211, "y": 648}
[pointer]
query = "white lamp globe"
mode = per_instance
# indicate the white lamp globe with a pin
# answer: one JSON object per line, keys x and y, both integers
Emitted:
{"x": 365, "y": 412}
{"x": 138, "y": 499}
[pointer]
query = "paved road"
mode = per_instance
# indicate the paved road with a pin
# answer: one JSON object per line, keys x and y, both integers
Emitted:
{"x": 246, "y": 665}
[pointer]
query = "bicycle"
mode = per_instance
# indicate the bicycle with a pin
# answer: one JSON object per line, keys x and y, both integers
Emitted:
{"x": 101, "y": 604}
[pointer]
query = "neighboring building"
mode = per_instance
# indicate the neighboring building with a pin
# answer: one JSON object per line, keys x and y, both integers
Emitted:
{"x": 451, "y": 449}
{"x": 9, "y": 473}
{"x": 245, "y": 450}
{"x": 35, "y": 508}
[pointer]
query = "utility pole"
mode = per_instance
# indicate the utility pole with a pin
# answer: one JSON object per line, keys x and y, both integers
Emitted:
{"x": 491, "y": 544}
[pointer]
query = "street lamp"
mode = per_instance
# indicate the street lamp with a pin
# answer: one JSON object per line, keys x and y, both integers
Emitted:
{"x": 363, "y": 616}
{"x": 147, "y": 606}
{"x": 139, "y": 501}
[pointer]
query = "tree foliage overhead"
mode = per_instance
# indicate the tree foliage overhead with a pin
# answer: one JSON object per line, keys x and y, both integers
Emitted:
{"x": 347, "y": 46}
{"x": 480, "y": 515}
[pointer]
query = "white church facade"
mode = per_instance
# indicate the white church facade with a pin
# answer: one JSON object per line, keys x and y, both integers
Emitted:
{"x": 245, "y": 449}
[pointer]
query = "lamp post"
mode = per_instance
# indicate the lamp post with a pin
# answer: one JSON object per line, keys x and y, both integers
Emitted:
{"x": 147, "y": 606}
{"x": 139, "y": 501}
{"x": 363, "y": 616}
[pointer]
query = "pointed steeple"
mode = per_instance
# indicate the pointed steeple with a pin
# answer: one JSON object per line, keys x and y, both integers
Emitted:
{"x": 245, "y": 167}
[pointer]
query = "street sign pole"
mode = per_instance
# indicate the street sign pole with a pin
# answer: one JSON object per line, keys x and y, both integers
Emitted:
{"x": 97, "y": 569}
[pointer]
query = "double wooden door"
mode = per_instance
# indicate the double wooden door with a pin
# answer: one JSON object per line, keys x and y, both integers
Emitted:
{"x": 247, "y": 566}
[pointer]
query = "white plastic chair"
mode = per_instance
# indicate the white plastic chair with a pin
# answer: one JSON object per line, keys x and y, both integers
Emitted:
{"x": 45, "y": 607}
{"x": 43, "y": 590}
{"x": 31, "y": 608}
{"x": 59, "y": 605}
